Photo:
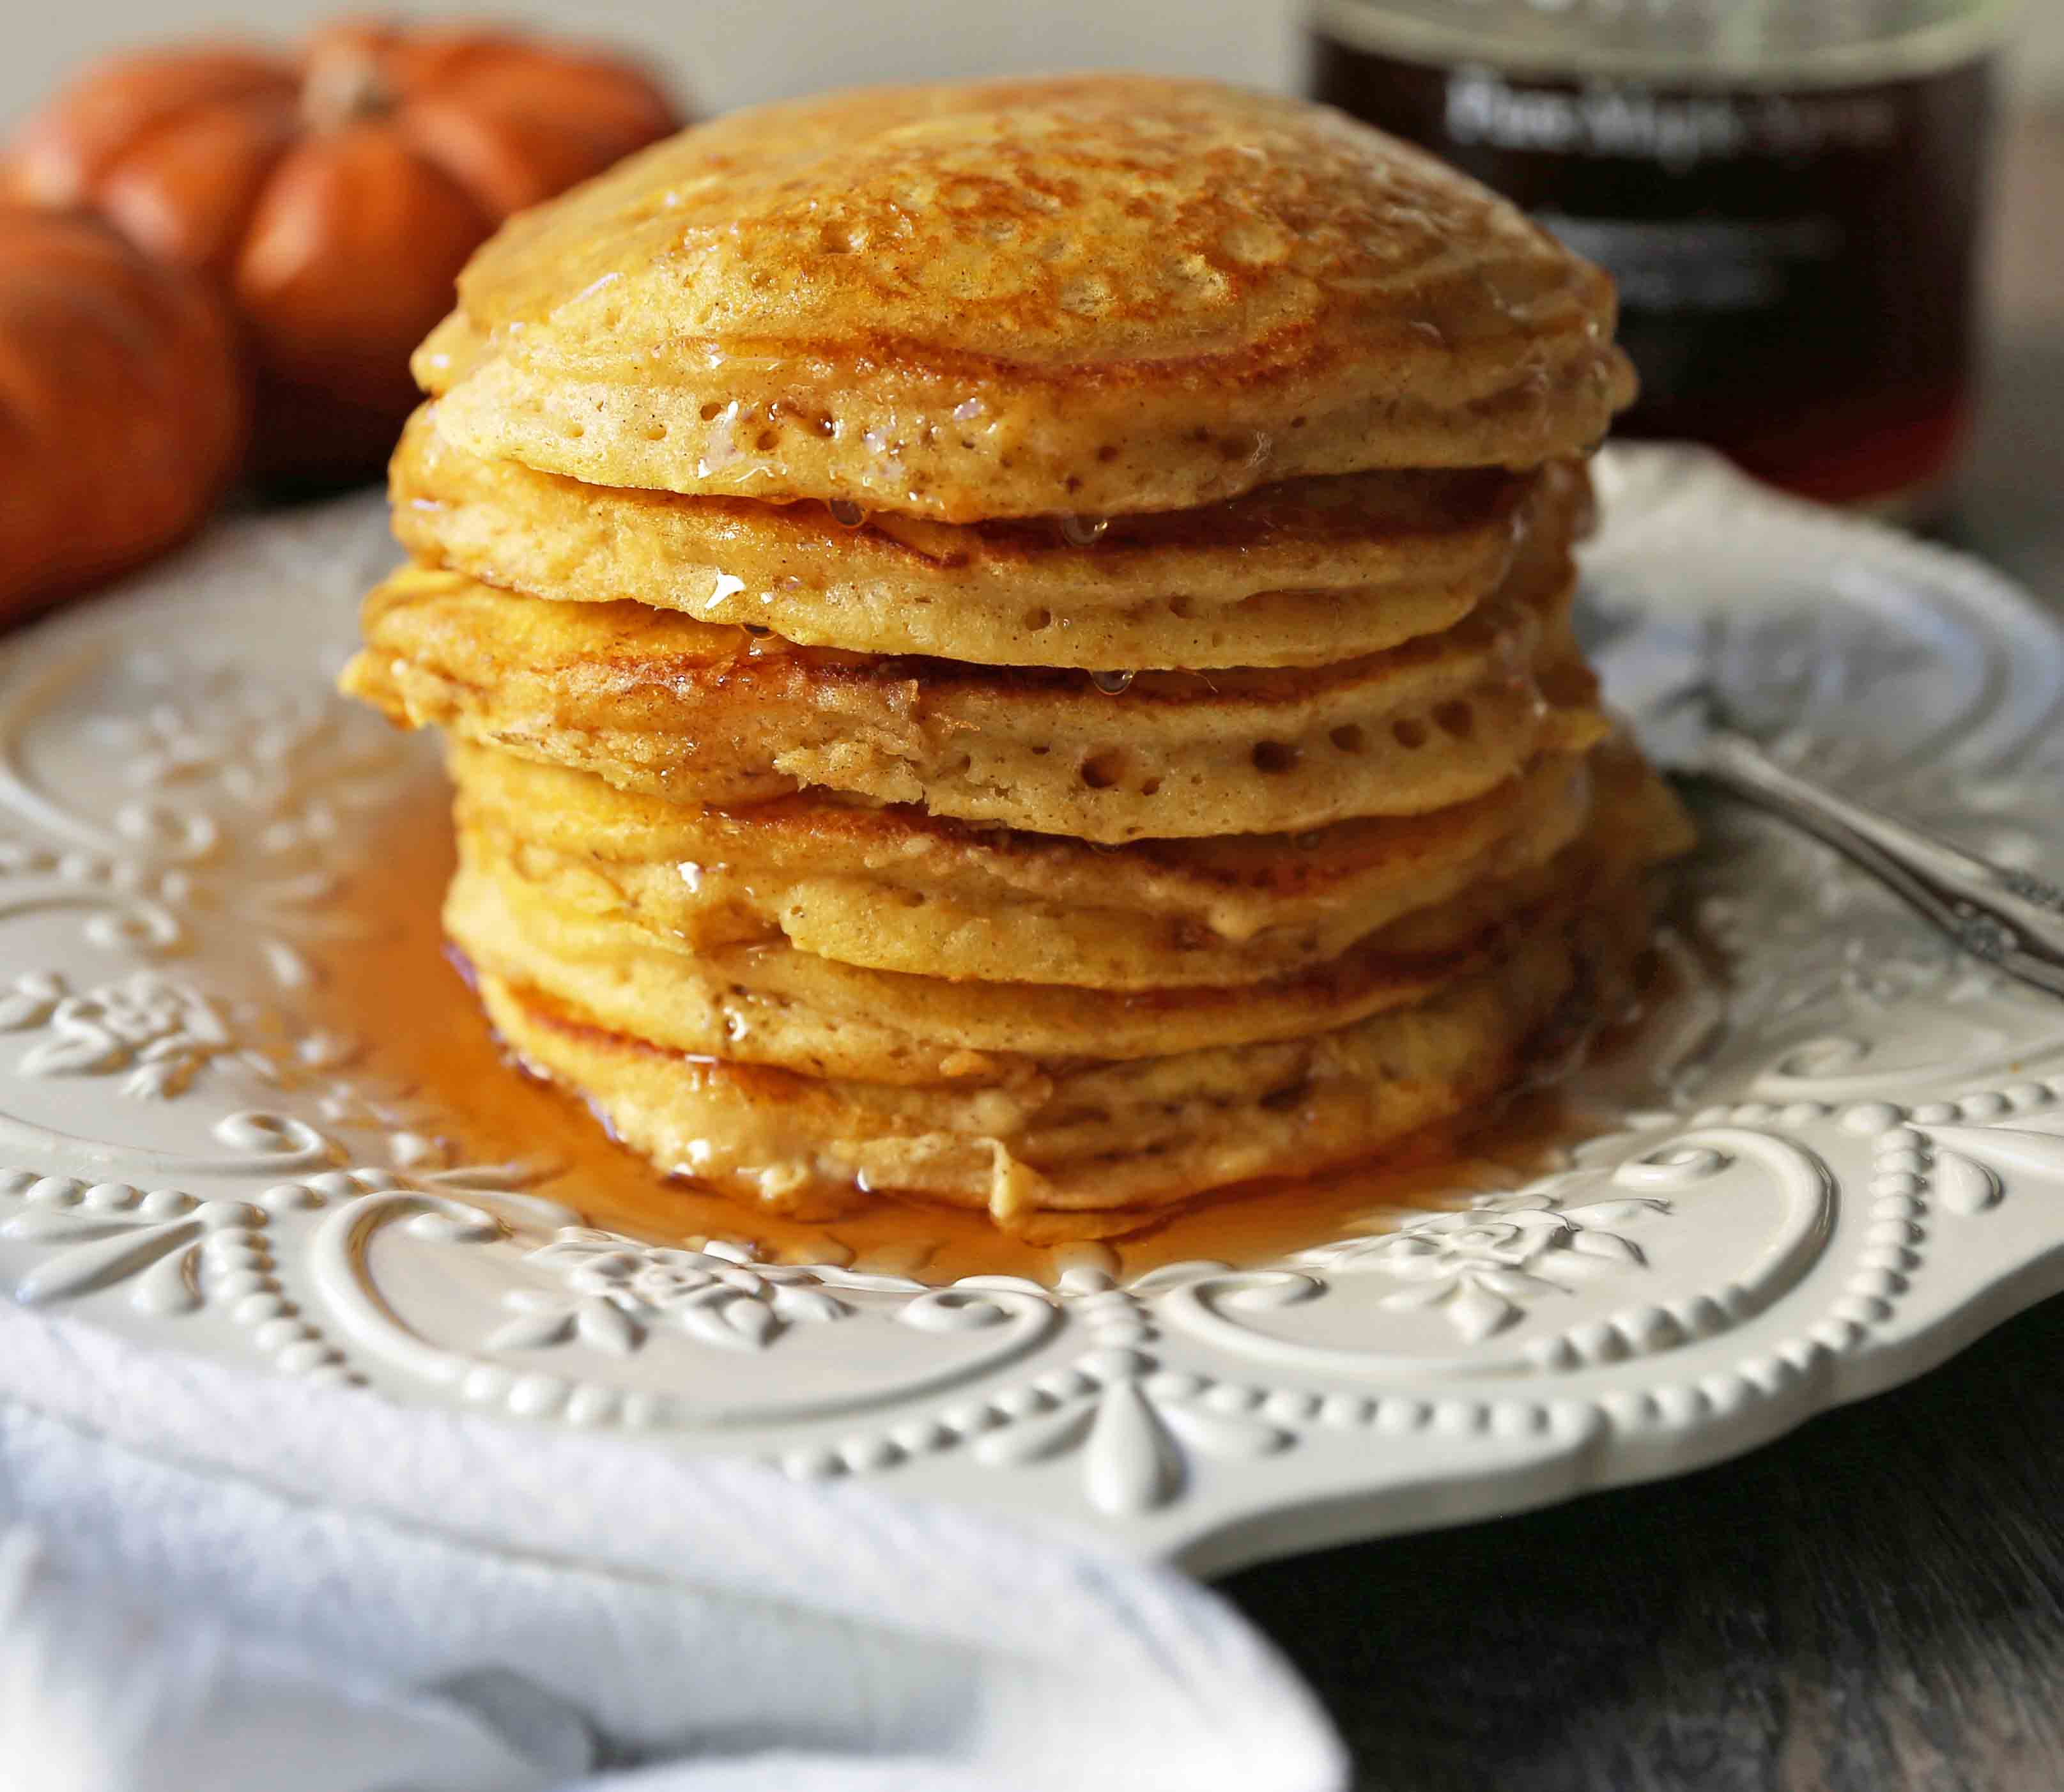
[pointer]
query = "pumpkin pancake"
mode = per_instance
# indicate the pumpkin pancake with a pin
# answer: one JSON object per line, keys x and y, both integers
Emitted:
{"x": 1010, "y": 643}
{"x": 893, "y": 888}
{"x": 766, "y": 1002}
{"x": 1096, "y": 294}
{"x": 655, "y": 701}
{"x": 1088, "y": 1148}
{"x": 773, "y": 1005}
{"x": 1303, "y": 573}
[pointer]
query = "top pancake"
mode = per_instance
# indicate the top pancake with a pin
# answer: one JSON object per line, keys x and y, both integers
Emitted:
{"x": 1087, "y": 294}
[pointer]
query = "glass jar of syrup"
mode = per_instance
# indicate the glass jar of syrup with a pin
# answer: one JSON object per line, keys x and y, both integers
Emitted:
{"x": 1788, "y": 193}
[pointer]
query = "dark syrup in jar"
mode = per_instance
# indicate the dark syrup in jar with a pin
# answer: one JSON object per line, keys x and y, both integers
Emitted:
{"x": 1794, "y": 250}
{"x": 400, "y": 994}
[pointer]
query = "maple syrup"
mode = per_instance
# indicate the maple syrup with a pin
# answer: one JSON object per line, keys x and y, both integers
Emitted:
{"x": 401, "y": 995}
{"x": 1788, "y": 193}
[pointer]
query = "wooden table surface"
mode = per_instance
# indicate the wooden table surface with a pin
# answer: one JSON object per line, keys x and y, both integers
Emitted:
{"x": 1875, "y": 1603}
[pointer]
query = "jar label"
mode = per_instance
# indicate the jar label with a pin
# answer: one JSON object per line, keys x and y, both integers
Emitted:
{"x": 1677, "y": 130}
{"x": 1795, "y": 268}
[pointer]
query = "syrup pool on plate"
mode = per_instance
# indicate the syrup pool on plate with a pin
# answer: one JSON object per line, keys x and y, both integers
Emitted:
{"x": 400, "y": 994}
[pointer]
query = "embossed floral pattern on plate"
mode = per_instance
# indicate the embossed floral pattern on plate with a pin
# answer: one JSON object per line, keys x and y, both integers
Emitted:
{"x": 1817, "y": 1170}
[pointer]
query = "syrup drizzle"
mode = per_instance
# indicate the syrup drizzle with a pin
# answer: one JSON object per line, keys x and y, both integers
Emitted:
{"x": 400, "y": 994}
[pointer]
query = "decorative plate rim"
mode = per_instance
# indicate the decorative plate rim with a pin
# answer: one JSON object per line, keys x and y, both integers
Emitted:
{"x": 1824, "y": 1178}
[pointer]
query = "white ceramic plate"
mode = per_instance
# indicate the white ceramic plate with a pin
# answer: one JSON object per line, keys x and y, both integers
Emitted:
{"x": 1826, "y": 1176}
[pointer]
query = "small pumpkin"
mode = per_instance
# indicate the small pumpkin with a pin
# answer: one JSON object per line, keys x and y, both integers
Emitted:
{"x": 123, "y": 403}
{"x": 334, "y": 195}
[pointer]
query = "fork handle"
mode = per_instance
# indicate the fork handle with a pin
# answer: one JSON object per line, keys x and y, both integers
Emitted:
{"x": 2005, "y": 918}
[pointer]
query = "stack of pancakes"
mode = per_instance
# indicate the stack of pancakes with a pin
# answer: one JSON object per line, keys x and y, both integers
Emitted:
{"x": 1011, "y": 645}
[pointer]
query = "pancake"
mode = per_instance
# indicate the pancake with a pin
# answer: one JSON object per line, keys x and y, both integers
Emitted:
{"x": 773, "y": 1005}
{"x": 893, "y": 888}
{"x": 1299, "y": 574}
{"x": 1089, "y": 1148}
{"x": 1093, "y": 294}
{"x": 1010, "y": 643}
{"x": 657, "y": 702}
{"x": 766, "y": 1002}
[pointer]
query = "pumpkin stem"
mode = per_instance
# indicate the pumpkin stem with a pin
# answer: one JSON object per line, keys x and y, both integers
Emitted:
{"x": 345, "y": 85}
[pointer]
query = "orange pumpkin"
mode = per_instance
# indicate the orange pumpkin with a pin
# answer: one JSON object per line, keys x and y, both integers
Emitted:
{"x": 334, "y": 195}
{"x": 123, "y": 403}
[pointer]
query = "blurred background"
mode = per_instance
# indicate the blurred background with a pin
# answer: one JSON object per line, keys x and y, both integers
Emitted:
{"x": 738, "y": 52}
{"x": 1828, "y": 218}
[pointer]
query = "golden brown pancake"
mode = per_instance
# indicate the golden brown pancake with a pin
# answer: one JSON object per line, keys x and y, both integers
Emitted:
{"x": 1096, "y": 294}
{"x": 771, "y": 1004}
{"x": 657, "y": 702}
{"x": 1303, "y": 573}
{"x": 893, "y": 888}
{"x": 766, "y": 1002}
{"x": 1010, "y": 643}
{"x": 1094, "y": 1148}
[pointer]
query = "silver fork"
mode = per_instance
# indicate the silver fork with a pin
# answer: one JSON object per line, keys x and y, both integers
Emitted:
{"x": 1664, "y": 670}
{"x": 2007, "y": 918}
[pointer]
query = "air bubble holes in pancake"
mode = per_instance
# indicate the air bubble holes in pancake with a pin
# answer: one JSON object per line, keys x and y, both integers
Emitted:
{"x": 1041, "y": 909}
{"x": 1394, "y": 557}
{"x": 682, "y": 715}
{"x": 1104, "y": 769}
{"x": 1287, "y": 286}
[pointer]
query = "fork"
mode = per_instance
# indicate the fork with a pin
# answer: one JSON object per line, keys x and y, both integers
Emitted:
{"x": 2009, "y": 918}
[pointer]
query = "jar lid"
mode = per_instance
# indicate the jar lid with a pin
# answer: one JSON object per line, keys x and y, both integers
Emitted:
{"x": 1791, "y": 43}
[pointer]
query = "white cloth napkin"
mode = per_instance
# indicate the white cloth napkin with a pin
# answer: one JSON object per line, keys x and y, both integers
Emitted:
{"x": 219, "y": 1581}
